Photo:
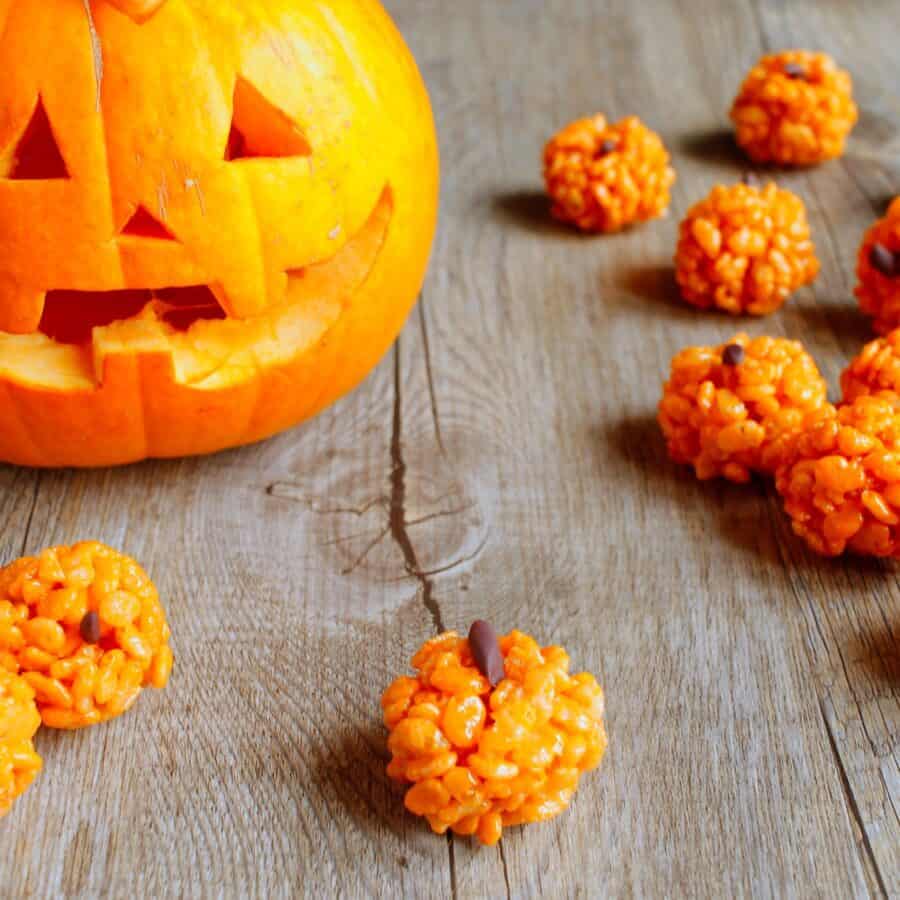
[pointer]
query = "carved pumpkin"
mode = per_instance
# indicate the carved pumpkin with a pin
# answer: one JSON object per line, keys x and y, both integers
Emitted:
{"x": 214, "y": 218}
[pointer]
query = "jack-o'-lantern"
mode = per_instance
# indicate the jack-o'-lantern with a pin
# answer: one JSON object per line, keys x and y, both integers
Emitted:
{"x": 214, "y": 218}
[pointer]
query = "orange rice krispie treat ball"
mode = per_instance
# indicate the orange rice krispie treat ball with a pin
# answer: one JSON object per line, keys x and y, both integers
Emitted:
{"x": 85, "y": 628}
{"x": 744, "y": 249}
{"x": 19, "y": 720}
{"x": 492, "y": 733}
{"x": 794, "y": 108}
{"x": 876, "y": 368}
{"x": 733, "y": 409}
{"x": 841, "y": 481}
{"x": 604, "y": 177}
{"x": 878, "y": 271}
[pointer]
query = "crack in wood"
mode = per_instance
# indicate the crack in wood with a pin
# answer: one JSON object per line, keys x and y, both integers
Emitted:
{"x": 449, "y": 567}
{"x": 451, "y": 855}
{"x": 349, "y": 570}
{"x": 287, "y": 490}
{"x": 805, "y": 598}
{"x": 870, "y": 863}
{"x": 34, "y": 503}
{"x": 398, "y": 524}
{"x": 432, "y": 395}
{"x": 505, "y": 871}
{"x": 441, "y": 514}
{"x": 772, "y": 510}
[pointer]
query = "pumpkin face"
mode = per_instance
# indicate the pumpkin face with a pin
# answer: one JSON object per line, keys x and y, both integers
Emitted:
{"x": 214, "y": 218}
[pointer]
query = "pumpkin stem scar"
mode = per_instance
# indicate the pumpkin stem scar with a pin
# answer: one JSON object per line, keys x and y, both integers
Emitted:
{"x": 96, "y": 50}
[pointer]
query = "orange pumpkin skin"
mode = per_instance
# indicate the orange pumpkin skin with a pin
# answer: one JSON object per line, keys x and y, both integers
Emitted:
{"x": 283, "y": 153}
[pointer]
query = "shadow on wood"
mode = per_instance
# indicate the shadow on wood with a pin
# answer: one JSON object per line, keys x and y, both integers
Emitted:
{"x": 878, "y": 652}
{"x": 715, "y": 146}
{"x": 654, "y": 282}
{"x": 354, "y": 770}
{"x": 823, "y": 321}
{"x": 737, "y": 513}
{"x": 529, "y": 210}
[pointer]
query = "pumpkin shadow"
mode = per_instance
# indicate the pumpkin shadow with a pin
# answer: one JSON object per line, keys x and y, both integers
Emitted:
{"x": 844, "y": 574}
{"x": 715, "y": 146}
{"x": 638, "y": 441}
{"x": 352, "y": 770}
{"x": 824, "y": 321}
{"x": 735, "y": 512}
{"x": 654, "y": 282}
{"x": 529, "y": 211}
{"x": 875, "y": 131}
{"x": 751, "y": 519}
{"x": 878, "y": 652}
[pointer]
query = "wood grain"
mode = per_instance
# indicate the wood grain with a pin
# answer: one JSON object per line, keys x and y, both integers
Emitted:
{"x": 503, "y": 462}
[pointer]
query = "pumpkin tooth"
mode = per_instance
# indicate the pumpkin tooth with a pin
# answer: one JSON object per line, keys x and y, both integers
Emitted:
{"x": 21, "y": 307}
{"x": 241, "y": 299}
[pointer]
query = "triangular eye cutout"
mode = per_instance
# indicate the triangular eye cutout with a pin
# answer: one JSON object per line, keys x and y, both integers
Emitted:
{"x": 37, "y": 156}
{"x": 261, "y": 130}
{"x": 144, "y": 224}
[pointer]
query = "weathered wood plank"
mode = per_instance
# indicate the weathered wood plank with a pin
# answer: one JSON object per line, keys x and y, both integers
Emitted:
{"x": 503, "y": 462}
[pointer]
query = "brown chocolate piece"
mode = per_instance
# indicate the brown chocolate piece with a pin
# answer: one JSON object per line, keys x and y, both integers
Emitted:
{"x": 90, "y": 627}
{"x": 486, "y": 652}
{"x": 884, "y": 260}
{"x": 794, "y": 70}
{"x": 733, "y": 355}
{"x": 610, "y": 145}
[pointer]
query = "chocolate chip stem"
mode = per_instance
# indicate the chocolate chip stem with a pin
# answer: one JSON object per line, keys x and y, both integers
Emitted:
{"x": 609, "y": 145}
{"x": 485, "y": 649}
{"x": 733, "y": 355}
{"x": 884, "y": 260}
{"x": 90, "y": 627}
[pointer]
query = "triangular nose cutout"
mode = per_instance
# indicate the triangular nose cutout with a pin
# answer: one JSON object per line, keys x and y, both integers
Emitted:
{"x": 144, "y": 224}
{"x": 37, "y": 156}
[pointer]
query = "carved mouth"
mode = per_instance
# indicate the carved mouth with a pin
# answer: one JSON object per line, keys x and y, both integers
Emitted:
{"x": 79, "y": 329}
{"x": 70, "y": 317}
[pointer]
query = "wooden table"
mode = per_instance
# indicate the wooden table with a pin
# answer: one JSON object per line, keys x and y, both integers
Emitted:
{"x": 504, "y": 462}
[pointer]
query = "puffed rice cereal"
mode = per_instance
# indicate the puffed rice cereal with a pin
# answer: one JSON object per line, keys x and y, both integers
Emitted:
{"x": 85, "y": 628}
{"x": 732, "y": 410}
{"x": 878, "y": 271}
{"x": 841, "y": 482}
{"x": 794, "y": 108}
{"x": 482, "y": 757}
{"x": 604, "y": 177}
{"x": 19, "y": 720}
{"x": 874, "y": 369}
{"x": 744, "y": 249}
